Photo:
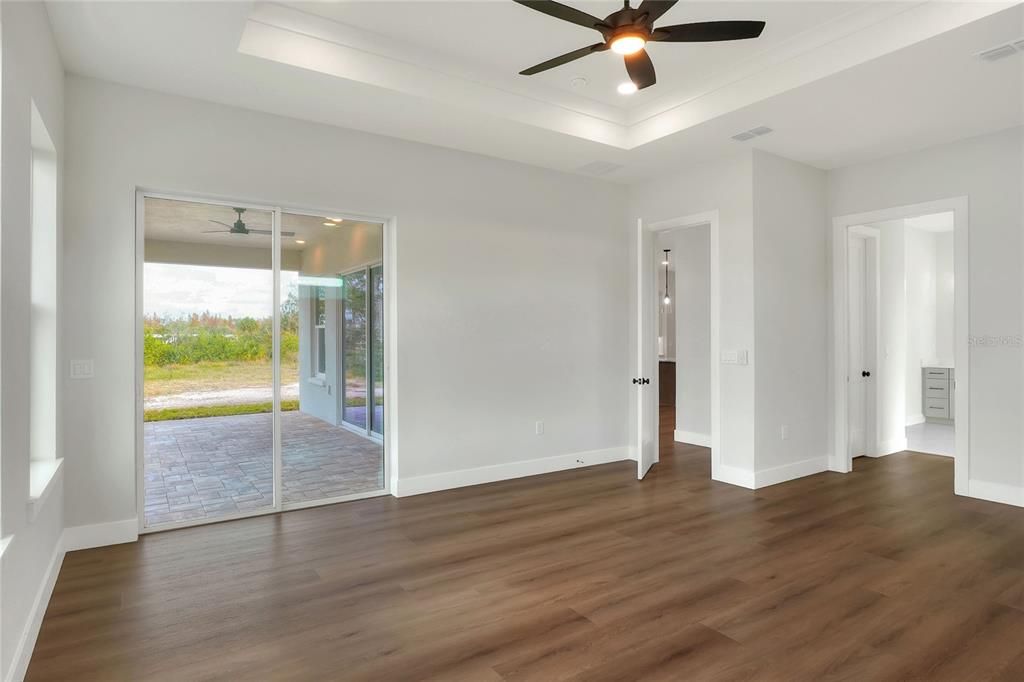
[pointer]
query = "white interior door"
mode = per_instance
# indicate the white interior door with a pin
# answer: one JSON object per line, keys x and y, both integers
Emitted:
{"x": 857, "y": 359}
{"x": 645, "y": 383}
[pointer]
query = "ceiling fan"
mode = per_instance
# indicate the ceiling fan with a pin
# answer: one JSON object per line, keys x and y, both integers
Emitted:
{"x": 240, "y": 228}
{"x": 627, "y": 30}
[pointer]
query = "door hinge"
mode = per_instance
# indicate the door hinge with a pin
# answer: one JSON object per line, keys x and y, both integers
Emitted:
{"x": 641, "y": 381}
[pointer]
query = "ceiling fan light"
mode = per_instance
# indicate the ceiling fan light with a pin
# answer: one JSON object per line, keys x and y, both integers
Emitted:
{"x": 627, "y": 88}
{"x": 628, "y": 44}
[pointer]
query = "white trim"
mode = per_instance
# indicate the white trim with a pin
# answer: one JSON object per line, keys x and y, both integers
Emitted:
{"x": 503, "y": 472}
{"x": 789, "y": 472}
{"x": 890, "y": 447}
{"x": 692, "y": 438}
{"x": 743, "y": 478}
{"x": 27, "y": 641}
{"x": 996, "y": 492}
{"x": 100, "y": 534}
{"x": 43, "y": 476}
{"x": 711, "y": 218}
{"x": 915, "y": 419}
{"x": 839, "y": 458}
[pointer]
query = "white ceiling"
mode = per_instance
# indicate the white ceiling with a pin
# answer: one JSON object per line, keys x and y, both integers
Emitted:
{"x": 506, "y": 38}
{"x": 838, "y": 82}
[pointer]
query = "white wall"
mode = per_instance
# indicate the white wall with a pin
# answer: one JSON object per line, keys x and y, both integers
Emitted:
{"x": 512, "y": 294}
{"x": 692, "y": 252}
{"x": 666, "y": 313}
{"x": 724, "y": 185}
{"x": 891, "y": 366}
{"x": 944, "y": 290}
{"x": 31, "y": 73}
{"x": 988, "y": 170}
{"x": 791, "y": 312}
{"x": 921, "y": 312}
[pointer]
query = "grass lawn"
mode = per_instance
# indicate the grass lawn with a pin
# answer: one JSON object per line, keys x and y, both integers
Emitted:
{"x": 215, "y": 411}
{"x": 213, "y": 376}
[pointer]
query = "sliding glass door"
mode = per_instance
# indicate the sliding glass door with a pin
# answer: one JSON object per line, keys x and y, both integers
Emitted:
{"x": 327, "y": 451}
{"x": 248, "y": 406}
{"x": 207, "y": 362}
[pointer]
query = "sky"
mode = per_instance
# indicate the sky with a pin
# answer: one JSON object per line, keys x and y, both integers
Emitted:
{"x": 180, "y": 290}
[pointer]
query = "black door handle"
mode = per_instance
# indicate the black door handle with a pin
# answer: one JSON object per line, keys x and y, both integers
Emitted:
{"x": 641, "y": 381}
{"x": 865, "y": 373}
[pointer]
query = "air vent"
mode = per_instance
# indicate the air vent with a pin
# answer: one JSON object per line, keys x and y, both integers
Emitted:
{"x": 1000, "y": 51}
{"x": 752, "y": 133}
{"x": 598, "y": 168}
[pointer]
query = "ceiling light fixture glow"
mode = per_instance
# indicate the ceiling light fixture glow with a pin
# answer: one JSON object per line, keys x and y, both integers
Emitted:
{"x": 628, "y": 44}
{"x": 300, "y": 241}
{"x": 627, "y": 88}
{"x": 330, "y": 224}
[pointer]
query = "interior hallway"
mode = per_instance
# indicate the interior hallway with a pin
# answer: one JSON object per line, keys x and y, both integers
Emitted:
{"x": 880, "y": 574}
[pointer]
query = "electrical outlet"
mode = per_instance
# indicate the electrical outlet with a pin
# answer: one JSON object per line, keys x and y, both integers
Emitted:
{"x": 784, "y": 431}
{"x": 81, "y": 369}
{"x": 540, "y": 428}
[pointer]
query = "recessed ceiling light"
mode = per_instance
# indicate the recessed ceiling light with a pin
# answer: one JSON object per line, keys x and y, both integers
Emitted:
{"x": 627, "y": 88}
{"x": 335, "y": 220}
{"x": 578, "y": 83}
{"x": 300, "y": 241}
{"x": 330, "y": 224}
{"x": 628, "y": 44}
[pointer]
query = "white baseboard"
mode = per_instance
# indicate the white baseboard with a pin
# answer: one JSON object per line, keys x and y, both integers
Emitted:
{"x": 915, "y": 419}
{"x": 789, "y": 472}
{"x": 101, "y": 534}
{"x": 502, "y": 472}
{"x": 743, "y": 478}
{"x": 27, "y": 641}
{"x": 996, "y": 492}
{"x": 890, "y": 447}
{"x": 692, "y": 438}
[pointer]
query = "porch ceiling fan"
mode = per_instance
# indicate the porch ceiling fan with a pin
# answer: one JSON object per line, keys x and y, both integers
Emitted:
{"x": 627, "y": 30}
{"x": 240, "y": 227}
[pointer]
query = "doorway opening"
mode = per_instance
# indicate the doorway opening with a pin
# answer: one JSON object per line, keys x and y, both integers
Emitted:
{"x": 677, "y": 383}
{"x": 901, "y": 334}
{"x": 262, "y": 360}
{"x": 684, "y": 340}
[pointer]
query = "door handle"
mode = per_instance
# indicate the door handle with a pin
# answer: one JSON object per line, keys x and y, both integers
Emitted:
{"x": 641, "y": 381}
{"x": 865, "y": 373}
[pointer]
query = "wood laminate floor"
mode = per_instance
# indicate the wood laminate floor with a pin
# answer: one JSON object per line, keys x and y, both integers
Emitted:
{"x": 881, "y": 574}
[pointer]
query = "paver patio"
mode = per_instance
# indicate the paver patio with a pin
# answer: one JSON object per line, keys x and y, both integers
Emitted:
{"x": 215, "y": 466}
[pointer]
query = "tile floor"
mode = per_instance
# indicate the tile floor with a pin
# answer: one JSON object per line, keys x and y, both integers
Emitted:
{"x": 935, "y": 439}
{"x": 205, "y": 468}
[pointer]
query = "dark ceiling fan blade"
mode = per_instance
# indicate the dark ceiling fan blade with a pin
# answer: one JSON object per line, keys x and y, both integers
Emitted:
{"x": 654, "y": 9}
{"x": 283, "y": 234}
{"x": 564, "y": 59}
{"x": 217, "y": 222}
{"x": 563, "y": 12}
{"x": 708, "y": 31}
{"x": 640, "y": 69}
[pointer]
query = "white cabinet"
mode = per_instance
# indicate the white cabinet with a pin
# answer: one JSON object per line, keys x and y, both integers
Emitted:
{"x": 938, "y": 384}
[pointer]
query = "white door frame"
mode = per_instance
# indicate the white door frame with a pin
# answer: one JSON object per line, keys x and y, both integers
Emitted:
{"x": 711, "y": 219}
{"x": 390, "y": 260}
{"x": 839, "y": 459}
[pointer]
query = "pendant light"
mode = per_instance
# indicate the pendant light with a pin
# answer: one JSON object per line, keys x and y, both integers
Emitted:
{"x": 667, "y": 299}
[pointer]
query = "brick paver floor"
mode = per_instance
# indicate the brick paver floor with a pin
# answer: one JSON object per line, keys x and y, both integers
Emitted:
{"x": 214, "y": 466}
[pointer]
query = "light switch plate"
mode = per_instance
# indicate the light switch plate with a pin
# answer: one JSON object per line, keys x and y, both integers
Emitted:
{"x": 82, "y": 369}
